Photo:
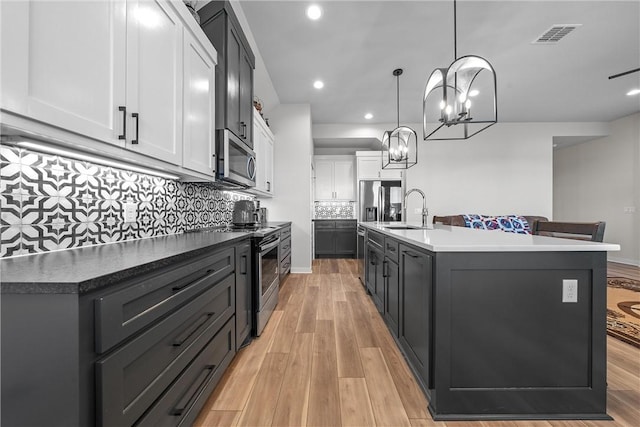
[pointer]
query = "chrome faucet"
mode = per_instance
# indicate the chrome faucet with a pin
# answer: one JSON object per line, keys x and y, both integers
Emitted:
{"x": 425, "y": 212}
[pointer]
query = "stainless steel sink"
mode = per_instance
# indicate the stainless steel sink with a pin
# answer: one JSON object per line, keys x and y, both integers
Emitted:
{"x": 403, "y": 227}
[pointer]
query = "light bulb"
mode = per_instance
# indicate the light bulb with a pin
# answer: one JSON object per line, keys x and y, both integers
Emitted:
{"x": 467, "y": 104}
{"x": 448, "y": 109}
{"x": 318, "y": 84}
{"x": 314, "y": 12}
{"x": 442, "y": 104}
{"x": 462, "y": 97}
{"x": 474, "y": 92}
{"x": 368, "y": 116}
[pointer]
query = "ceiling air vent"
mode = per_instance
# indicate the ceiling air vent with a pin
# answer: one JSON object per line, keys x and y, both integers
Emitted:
{"x": 554, "y": 34}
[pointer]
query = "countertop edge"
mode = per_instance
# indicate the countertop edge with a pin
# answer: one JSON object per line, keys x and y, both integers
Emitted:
{"x": 83, "y": 286}
{"x": 536, "y": 243}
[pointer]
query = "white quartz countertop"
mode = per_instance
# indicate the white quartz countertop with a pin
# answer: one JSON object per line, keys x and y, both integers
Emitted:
{"x": 445, "y": 238}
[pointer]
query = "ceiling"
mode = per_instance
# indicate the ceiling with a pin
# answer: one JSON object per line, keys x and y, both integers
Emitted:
{"x": 356, "y": 45}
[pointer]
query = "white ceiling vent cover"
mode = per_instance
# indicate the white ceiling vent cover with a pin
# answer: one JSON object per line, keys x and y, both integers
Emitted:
{"x": 556, "y": 33}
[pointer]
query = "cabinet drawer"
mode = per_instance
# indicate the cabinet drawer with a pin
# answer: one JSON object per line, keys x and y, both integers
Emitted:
{"x": 285, "y": 247}
{"x": 285, "y": 265}
{"x": 129, "y": 380}
{"x": 182, "y": 402}
{"x": 285, "y": 232}
{"x": 325, "y": 224}
{"x": 375, "y": 238}
{"x": 391, "y": 249}
{"x": 122, "y": 313}
{"x": 346, "y": 224}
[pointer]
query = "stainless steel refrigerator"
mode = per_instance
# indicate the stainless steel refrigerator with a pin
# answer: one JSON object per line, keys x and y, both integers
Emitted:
{"x": 380, "y": 200}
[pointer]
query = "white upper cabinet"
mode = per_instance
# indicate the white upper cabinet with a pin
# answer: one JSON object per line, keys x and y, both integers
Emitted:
{"x": 334, "y": 179}
{"x": 134, "y": 73}
{"x": 199, "y": 108}
{"x": 370, "y": 167}
{"x": 324, "y": 179}
{"x": 263, "y": 141}
{"x": 63, "y": 63}
{"x": 154, "y": 80}
{"x": 344, "y": 180}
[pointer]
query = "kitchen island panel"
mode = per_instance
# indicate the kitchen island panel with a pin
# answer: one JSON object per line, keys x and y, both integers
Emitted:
{"x": 506, "y": 346}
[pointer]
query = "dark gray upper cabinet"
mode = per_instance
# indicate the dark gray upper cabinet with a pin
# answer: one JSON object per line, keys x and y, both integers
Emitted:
{"x": 234, "y": 72}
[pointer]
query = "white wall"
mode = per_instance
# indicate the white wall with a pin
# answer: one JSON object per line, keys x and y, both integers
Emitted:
{"x": 502, "y": 170}
{"x": 596, "y": 180}
{"x": 292, "y": 201}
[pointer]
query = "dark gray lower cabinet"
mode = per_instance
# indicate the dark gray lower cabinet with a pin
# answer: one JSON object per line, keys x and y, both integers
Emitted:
{"x": 146, "y": 349}
{"x": 374, "y": 274}
{"x": 195, "y": 384}
{"x": 133, "y": 376}
{"x": 392, "y": 295}
{"x": 416, "y": 313}
{"x": 335, "y": 238}
{"x": 467, "y": 323}
{"x": 285, "y": 252}
{"x": 243, "y": 293}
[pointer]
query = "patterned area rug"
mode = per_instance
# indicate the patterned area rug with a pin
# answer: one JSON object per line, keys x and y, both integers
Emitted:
{"x": 623, "y": 309}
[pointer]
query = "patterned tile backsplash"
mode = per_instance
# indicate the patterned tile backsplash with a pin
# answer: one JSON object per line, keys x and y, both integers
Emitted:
{"x": 334, "y": 210}
{"x": 49, "y": 202}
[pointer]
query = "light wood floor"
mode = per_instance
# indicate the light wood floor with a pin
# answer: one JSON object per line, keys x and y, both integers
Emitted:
{"x": 326, "y": 358}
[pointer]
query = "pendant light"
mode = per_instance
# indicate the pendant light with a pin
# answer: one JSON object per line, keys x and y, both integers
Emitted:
{"x": 461, "y": 100}
{"x": 399, "y": 146}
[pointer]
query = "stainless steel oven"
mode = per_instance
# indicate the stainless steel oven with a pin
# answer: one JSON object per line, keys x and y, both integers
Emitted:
{"x": 236, "y": 160}
{"x": 267, "y": 278}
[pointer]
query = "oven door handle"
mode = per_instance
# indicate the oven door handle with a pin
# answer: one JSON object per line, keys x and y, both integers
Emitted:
{"x": 269, "y": 246}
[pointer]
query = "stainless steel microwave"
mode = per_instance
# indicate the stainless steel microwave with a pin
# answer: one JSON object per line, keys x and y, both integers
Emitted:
{"x": 236, "y": 161}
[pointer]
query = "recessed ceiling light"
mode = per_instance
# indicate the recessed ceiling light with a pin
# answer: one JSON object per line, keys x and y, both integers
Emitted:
{"x": 318, "y": 84}
{"x": 368, "y": 116}
{"x": 633, "y": 92}
{"x": 314, "y": 12}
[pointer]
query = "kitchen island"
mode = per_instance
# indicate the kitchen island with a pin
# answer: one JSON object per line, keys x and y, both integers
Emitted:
{"x": 495, "y": 325}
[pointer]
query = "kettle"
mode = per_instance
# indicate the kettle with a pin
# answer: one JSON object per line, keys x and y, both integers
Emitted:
{"x": 244, "y": 213}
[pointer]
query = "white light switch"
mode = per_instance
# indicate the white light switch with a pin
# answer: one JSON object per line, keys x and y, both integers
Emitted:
{"x": 569, "y": 290}
{"x": 130, "y": 212}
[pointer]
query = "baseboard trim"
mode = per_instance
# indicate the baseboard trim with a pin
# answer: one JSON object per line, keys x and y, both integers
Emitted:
{"x": 298, "y": 270}
{"x": 635, "y": 263}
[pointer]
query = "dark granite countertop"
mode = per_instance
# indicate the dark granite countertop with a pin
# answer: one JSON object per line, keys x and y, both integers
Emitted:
{"x": 81, "y": 270}
{"x": 278, "y": 224}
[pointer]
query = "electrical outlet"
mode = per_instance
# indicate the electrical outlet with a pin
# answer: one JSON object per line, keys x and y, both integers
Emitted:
{"x": 629, "y": 209}
{"x": 130, "y": 212}
{"x": 569, "y": 290}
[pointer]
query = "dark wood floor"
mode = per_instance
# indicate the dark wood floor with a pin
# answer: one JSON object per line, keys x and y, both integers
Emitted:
{"x": 326, "y": 358}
